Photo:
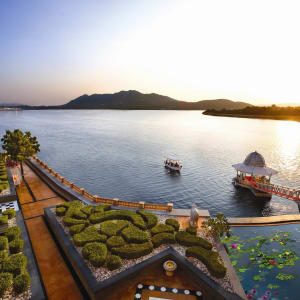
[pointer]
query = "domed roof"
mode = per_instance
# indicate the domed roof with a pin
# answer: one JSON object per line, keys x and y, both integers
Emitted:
{"x": 254, "y": 159}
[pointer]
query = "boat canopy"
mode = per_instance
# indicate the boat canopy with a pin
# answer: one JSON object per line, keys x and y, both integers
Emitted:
{"x": 172, "y": 160}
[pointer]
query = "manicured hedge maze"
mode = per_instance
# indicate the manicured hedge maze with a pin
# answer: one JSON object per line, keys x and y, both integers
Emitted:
{"x": 12, "y": 262}
{"x": 108, "y": 236}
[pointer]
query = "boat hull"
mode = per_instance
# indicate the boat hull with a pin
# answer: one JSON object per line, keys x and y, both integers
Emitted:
{"x": 176, "y": 169}
{"x": 255, "y": 192}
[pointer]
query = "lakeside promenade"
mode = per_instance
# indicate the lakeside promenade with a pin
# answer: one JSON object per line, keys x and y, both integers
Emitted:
{"x": 33, "y": 198}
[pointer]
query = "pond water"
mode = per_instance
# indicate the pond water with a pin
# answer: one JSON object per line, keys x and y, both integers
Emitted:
{"x": 266, "y": 260}
{"x": 114, "y": 153}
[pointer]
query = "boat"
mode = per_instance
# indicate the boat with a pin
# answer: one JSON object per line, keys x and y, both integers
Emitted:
{"x": 253, "y": 174}
{"x": 173, "y": 164}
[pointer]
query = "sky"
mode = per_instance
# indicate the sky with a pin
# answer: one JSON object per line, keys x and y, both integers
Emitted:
{"x": 52, "y": 51}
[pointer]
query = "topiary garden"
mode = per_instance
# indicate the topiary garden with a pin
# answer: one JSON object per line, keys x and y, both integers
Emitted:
{"x": 13, "y": 262}
{"x": 3, "y": 176}
{"x": 108, "y": 236}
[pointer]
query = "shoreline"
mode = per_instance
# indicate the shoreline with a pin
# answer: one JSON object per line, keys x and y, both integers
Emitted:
{"x": 263, "y": 117}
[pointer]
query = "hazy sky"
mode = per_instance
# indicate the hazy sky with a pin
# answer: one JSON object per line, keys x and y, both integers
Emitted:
{"x": 52, "y": 51}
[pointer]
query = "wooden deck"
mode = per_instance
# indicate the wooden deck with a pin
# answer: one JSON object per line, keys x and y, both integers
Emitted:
{"x": 57, "y": 278}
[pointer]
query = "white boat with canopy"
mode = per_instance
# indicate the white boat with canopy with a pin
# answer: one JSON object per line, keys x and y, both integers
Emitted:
{"x": 173, "y": 164}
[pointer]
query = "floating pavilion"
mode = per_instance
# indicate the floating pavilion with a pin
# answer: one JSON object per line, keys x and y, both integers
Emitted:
{"x": 252, "y": 172}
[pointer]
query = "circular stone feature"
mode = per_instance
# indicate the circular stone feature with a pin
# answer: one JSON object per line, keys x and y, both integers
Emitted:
{"x": 186, "y": 292}
{"x": 151, "y": 287}
{"x": 138, "y": 296}
{"x": 170, "y": 266}
{"x": 163, "y": 289}
{"x": 140, "y": 286}
{"x": 175, "y": 291}
{"x": 198, "y": 293}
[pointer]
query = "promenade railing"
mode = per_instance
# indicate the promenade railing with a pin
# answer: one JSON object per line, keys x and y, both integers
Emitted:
{"x": 98, "y": 199}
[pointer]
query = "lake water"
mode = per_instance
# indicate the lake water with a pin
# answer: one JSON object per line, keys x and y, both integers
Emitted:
{"x": 120, "y": 154}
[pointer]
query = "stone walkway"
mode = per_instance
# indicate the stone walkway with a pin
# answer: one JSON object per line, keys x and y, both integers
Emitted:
{"x": 56, "y": 276}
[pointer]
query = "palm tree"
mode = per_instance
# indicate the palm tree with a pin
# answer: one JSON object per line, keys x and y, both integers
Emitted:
{"x": 20, "y": 146}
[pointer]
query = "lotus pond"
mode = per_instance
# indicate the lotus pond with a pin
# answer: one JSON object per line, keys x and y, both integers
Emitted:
{"x": 266, "y": 260}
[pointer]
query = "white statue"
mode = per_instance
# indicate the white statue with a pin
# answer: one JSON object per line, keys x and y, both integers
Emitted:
{"x": 194, "y": 216}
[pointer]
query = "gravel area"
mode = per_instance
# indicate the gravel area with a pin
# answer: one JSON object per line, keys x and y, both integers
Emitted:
{"x": 103, "y": 273}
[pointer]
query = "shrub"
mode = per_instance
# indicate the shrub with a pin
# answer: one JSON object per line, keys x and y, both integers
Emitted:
{"x": 150, "y": 219}
{"x": 78, "y": 214}
{"x": 3, "y": 242}
{"x": 16, "y": 246}
{"x": 3, "y": 255}
{"x": 3, "y": 177}
{"x": 114, "y": 262}
{"x": 89, "y": 234}
{"x": 174, "y": 223}
{"x": 209, "y": 258}
{"x": 101, "y": 208}
{"x": 10, "y": 213}
{"x": 114, "y": 227}
{"x": 21, "y": 283}
{"x": 87, "y": 209}
{"x": 12, "y": 233}
{"x": 160, "y": 228}
{"x": 191, "y": 230}
{"x": 132, "y": 234}
{"x": 70, "y": 204}
{"x": 60, "y": 211}
{"x": 3, "y": 186}
{"x": 115, "y": 241}
{"x": 6, "y": 280}
{"x": 76, "y": 229}
{"x": 16, "y": 264}
{"x": 163, "y": 238}
{"x": 3, "y": 220}
{"x": 96, "y": 253}
{"x": 187, "y": 239}
{"x": 217, "y": 226}
{"x": 133, "y": 250}
{"x": 71, "y": 221}
{"x": 131, "y": 216}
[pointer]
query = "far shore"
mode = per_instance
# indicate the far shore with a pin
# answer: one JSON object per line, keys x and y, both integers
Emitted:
{"x": 266, "y": 117}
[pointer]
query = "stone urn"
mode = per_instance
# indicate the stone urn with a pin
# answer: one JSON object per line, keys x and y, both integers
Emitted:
{"x": 170, "y": 266}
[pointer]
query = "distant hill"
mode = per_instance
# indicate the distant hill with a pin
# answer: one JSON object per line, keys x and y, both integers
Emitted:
{"x": 136, "y": 100}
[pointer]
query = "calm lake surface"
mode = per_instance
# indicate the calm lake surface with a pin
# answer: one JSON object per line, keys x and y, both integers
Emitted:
{"x": 120, "y": 154}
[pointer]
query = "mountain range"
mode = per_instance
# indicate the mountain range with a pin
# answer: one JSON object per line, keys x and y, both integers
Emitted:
{"x": 136, "y": 100}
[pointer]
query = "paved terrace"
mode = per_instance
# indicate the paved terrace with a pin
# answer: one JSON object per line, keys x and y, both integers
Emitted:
{"x": 56, "y": 276}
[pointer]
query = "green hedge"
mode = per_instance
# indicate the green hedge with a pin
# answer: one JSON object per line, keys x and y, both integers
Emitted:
{"x": 3, "y": 255}
{"x": 160, "y": 228}
{"x": 191, "y": 230}
{"x": 87, "y": 209}
{"x": 89, "y": 234}
{"x": 163, "y": 238}
{"x": 21, "y": 283}
{"x": 60, "y": 211}
{"x": 3, "y": 186}
{"x": 150, "y": 219}
{"x": 3, "y": 242}
{"x": 133, "y": 250}
{"x": 78, "y": 214}
{"x": 16, "y": 264}
{"x": 72, "y": 221}
{"x": 209, "y": 258}
{"x": 10, "y": 213}
{"x": 114, "y": 227}
{"x": 132, "y": 234}
{"x": 3, "y": 220}
{"x": 76, "y": 229}
{"x": 131, "y": 216}
{"x": 114, "y": 262}
{"x": 174, "y": 223}
{"x": 101, "y": 208}
{"x": 16, "y": 246}
{"x": 187, "y": 239}
{"x": 96, "y": 253}
{"x": 12, "y": 233}
{"x": 115, "y": 241}
{"x": 6, "y": 280}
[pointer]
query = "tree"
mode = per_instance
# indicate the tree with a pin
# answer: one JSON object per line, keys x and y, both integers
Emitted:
{"x": 20, "y": 146}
